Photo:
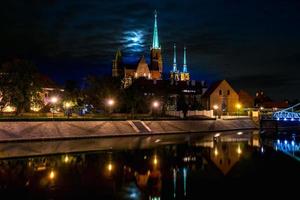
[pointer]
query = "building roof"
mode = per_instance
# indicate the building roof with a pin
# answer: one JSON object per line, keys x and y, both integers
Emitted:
{"x": 212, "y": 88}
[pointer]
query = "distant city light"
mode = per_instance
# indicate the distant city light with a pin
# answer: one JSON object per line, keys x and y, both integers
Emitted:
{"x": 216, "y": 107}
{"x": 240, "y": 133}
{"x": 238, "y": 105}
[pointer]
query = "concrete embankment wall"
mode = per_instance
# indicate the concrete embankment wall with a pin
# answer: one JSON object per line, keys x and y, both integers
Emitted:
{"x": 19, "y": 131}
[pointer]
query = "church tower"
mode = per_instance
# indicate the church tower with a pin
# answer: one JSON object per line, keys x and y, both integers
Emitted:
{"x": 184, "y": 75}
{"x": 117, "y": 68}
{"x": 174, "y": 74}
{"x": 156, "y": 65}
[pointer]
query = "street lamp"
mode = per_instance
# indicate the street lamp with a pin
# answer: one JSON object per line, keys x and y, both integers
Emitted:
{"x": 68, "y": 105}
{"x": 53, "y": 100}
{"x": 155, "y": 105}
{"x": 238, "y": 107}
{"x": 216, "y": 107}
{"x": 110, "y": 103}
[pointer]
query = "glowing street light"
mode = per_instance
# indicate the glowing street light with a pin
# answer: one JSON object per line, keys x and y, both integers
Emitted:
{"x": 155, "y": 104}
{"x": 215, "y": 107}
{"x": 68, "y": 105}
{"x": 53, "y": 100}
{"x": 110, "y": 103}
{"x": 238, "y": 106}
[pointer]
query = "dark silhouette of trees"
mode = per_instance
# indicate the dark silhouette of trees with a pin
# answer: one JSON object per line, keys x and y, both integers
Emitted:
{"x": 98, "y": 89}
{"x": 19, "y": 84}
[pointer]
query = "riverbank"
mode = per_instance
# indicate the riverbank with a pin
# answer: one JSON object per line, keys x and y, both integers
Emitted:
{"x": 55, "y": 130}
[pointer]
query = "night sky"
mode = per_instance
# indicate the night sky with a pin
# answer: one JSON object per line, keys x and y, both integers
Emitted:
{"x": 253, "y": 43}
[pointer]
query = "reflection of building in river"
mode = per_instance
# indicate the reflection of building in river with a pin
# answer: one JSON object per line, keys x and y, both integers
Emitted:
{"x": 226, "y": 155}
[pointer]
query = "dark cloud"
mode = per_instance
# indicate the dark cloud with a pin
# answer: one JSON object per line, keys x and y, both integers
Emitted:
{"x": 231, "y": 39}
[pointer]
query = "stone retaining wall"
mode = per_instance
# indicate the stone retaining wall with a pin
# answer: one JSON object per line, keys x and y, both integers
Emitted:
{"x": 18, "y": 131}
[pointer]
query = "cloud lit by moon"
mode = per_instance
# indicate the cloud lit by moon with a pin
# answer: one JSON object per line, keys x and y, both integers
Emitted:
{"x": 133, "y": 41}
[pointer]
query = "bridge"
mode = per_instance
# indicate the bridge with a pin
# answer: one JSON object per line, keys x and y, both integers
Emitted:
{"x": 288, "y": 114}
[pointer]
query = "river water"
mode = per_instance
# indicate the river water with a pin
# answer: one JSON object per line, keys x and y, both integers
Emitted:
{"x": 184, "y": 166}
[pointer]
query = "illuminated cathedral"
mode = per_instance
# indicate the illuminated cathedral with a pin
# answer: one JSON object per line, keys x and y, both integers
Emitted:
{"x": 151, "y": 71}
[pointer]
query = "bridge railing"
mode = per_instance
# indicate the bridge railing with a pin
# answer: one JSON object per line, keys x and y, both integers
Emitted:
{"x": 287, "y": 114}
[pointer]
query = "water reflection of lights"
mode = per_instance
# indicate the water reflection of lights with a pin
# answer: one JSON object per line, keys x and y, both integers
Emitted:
{"x": 174, "y": 181}
{"x": 184, "y": 180}
{"x": 155, "y": 161}
{"x": 110, "y": 167}
{"x": 290, "y": 148}
{"x": 189, "y": 158}
{"x": 216, "y": 152}
{"x": 239, "y": 150}
{"x": 262, "y": 150}
{"x": 66, "y": 160}
{"x": 51, "y": 175}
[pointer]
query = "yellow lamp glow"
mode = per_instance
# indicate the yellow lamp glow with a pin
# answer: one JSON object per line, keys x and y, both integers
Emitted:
{"x": 51, "y": 175}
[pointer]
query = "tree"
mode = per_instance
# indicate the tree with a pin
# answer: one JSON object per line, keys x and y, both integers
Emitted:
{"x": 98, "y": 89}
{"x": 19, "y": 84}
{"x": 182, "y": 105}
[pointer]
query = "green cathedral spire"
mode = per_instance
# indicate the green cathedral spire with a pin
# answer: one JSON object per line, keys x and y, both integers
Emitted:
{"x": 184, "y": 61}
{"x": 174, "y": 60}
{"x": 155, "y": 43}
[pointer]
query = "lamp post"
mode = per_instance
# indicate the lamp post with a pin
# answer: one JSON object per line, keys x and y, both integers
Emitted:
{"x": 216, "y": 107}
{"x": 110, "y": 103}
{"x": 53, "y": 100}
{"x": 238, "y": 107}
{"x": 68, "y": 105}
{"x": 155, "y": 105}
